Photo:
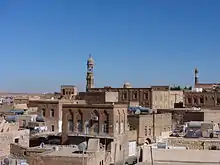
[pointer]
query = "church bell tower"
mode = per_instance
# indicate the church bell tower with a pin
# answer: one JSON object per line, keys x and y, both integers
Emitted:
{"x": 90, "y": 74}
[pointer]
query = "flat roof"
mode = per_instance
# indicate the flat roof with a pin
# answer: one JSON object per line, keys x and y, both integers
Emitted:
{"x": 95, "y": 105}
{"x": 65, "y": 151}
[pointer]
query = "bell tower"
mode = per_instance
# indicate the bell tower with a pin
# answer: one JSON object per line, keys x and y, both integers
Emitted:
{"x": 90, "y": 74}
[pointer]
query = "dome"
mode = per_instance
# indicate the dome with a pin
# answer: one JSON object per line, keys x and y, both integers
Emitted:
{"x": 127, "y": 85}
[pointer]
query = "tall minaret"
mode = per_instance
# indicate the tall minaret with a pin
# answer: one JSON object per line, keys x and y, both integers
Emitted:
{"x": 196, "y": 72}
{"x": 90, "y": 74}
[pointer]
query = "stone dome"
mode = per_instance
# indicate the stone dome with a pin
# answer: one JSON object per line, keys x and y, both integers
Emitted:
{"x": 127, "y": 85}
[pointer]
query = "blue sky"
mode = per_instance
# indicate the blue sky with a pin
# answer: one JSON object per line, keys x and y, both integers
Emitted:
{"x": 45, "y": 43}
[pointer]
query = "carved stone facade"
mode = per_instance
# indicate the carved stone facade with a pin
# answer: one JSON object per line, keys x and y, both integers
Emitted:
{"x": 127, "y": 95}
{"x": 104, "y": 121}
{"x": 68, "y": 91}
{"x": 51, "y": 111}
{"x": 150, "y": 126}
{"x": 209, "y": 100}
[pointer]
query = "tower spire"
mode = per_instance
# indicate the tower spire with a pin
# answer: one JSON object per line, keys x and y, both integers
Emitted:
{"x": 90, "y": 74}
{"x": 196, "y": 78}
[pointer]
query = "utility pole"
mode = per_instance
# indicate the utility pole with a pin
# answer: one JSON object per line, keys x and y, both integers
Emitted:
{"x": 151, "y": 155}
{"x": 154, "y": 126}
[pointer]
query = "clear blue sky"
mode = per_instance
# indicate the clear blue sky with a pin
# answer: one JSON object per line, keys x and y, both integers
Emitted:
{"x": 45, "y": 43}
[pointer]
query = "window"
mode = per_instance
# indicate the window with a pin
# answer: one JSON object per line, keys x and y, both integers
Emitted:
{"x": 52, "y": 112}
{"x": 17, "y": 140}
{"x": 202, "y": 100}
{"x": 96, "y": 128}
{"x": 117, "y": 127}
{"x": 145, "y": 96}
{"x": 70, "y": 125}
{"x": 43, "y": 112}
{"x": 120, "y": 147}
{"x": 105, "y": 127}
{"x": 149, "y": 131}
{"x": 79, "y": 125}
{"x": 122, "y": 127}
{"x": 135, "y": 95}
{"x": 189, "y": 100}
{"x": 52, "y": 128}
{"x": 218, "y": 101}
{"x": 124, "y": 96}
{"x": 145, "y": 130}
{"x": 64, "y": 91}
{"x": 195, "y": 100}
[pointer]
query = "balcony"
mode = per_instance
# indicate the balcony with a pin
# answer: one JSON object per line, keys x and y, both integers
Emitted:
{"x": 92, "y": 134}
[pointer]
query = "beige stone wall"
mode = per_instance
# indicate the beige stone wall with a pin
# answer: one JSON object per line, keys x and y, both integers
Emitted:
{"x": 179, "y": 155}
{"x": 7, "y": 138}
{"x": 160, "y": 99}
{"x": 175, "y": 97}
{"x": 193, "y": 143}
{"x": 92, "y": 159}
{"x": 145, "y": 127}
{"x": 212, "y": 115}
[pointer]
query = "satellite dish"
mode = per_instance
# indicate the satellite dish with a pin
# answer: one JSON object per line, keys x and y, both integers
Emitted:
{"x": 42, "y": 145}
{"x": 82, "y": 146}
{"x": 6, "y": 161}
{"x": 40, "y": 119}
{"x": 137, "y": 112}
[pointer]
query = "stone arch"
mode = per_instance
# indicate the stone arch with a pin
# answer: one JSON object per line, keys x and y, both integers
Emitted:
{"x": 105, "y": 124}
{"x": 79, "y": 121}
{"x": 95, "y": 121}
{"x": 148, "y": 141}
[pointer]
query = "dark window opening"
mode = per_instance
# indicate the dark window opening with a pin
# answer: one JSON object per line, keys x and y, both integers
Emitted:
{"x": 145, "y": 131}
{"x": 124, "y": 96}
{"x": 52, "y": 128}
{"x": 189, "y": 100}
{"x": 70, "y": 125}
{"x": 202, "y": 100}
{"x": 145, "y": 96}
{"x": 135, "y": 95}
{"x": 218, "y": 101}
{"x": 17, "y": 140}
{"x": 43, "y": 112}
{"x": 63, "y": 91}
{"x": 52, "y": 114}
{"x": 195, "y": 101}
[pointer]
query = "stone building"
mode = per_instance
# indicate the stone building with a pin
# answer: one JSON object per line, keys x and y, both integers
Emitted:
{"x": 152, "y": 97}
{"x": 175, "y": 97}
{"x": 63, "y": 154}
{"x": 68, "y": 91}
{"x": 205, "y": 99}
{"x": 160, "y": 97}
{"x": 10, "y": 133}
{"x": 204, "y": 95}
{"x": 98, "y": 97}
{"x": 149, "y": 126}
{"x": 51, "y": 111}
{"x": 108, "y": 122}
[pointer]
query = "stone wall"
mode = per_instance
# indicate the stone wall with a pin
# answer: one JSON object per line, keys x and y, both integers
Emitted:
{"x": 194, "y": 143}
{"x": 20, "y": 137}
{"x": 147, "y": 128}
{"x": 180, "y": 155}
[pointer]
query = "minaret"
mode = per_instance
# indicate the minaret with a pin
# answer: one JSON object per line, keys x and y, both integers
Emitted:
{"x": 90, "y": 74}
{"x": 196, "y": 72}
